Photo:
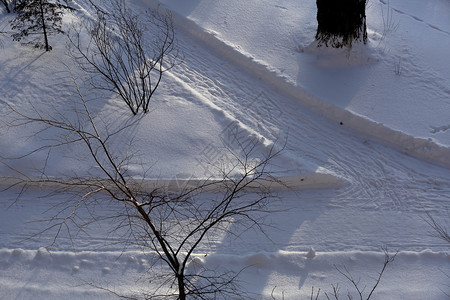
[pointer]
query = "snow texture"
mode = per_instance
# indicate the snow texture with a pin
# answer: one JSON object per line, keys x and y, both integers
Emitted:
{"x": 365, "y": 131}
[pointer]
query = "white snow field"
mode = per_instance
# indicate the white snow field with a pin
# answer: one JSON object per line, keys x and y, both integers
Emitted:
{"x": 366, "y": 137}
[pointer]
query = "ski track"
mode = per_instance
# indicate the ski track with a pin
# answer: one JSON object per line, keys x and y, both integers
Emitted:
{"x": 378, "y": 175}
{"x": 401, "y": 12}
{"x": 380, "y": 179}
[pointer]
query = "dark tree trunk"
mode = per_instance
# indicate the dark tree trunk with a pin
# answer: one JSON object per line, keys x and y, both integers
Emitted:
{"x": 340, "y": 22}
{"x": 44, "y": 27}
{"x": 181, "y": 287}
{"x": 5, "y": 3}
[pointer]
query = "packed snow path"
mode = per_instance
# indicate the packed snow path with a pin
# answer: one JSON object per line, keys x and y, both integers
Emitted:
{"x": 400, "y": 79}
{"x": 385, "y": 189}
{"x": 381, "y": 179}
{"x": 376, "y": 170}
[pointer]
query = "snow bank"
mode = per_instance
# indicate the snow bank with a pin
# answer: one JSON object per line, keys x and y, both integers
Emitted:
{"x": 43, "y": 274}
{"x": 228, "y": 43}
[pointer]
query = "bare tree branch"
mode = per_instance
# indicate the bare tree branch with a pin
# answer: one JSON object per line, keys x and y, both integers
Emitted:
{"x": 121, "y": 57}
{"x": 171, "y": 224}
{"x": 439, "y": 230}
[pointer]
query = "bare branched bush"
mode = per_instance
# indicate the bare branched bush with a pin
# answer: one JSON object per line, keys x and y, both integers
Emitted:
{"x": 389, "y": 24}
{"x": 126, "y": 53}
{"x": 439, "y": 230}
{"x": 359, "y": 290}
{"x": 170, "y": 223}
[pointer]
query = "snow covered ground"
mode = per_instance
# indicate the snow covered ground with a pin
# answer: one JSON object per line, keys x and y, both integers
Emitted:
{"x": 368, "y": 131}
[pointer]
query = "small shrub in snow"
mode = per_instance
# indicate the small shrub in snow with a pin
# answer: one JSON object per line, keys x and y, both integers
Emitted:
{"x": 171, "y": 224}
{"x": 40, "y": 17}
{"x": 126, "y": 53}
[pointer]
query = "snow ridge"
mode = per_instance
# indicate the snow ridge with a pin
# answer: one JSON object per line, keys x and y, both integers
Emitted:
{"x": 112, "y": 271}
{"x": 422, "y": 148}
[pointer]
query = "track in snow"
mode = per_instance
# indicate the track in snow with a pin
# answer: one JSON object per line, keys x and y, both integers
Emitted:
{"x": 386, "y": 188}
{"x": 380, "y": 177}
